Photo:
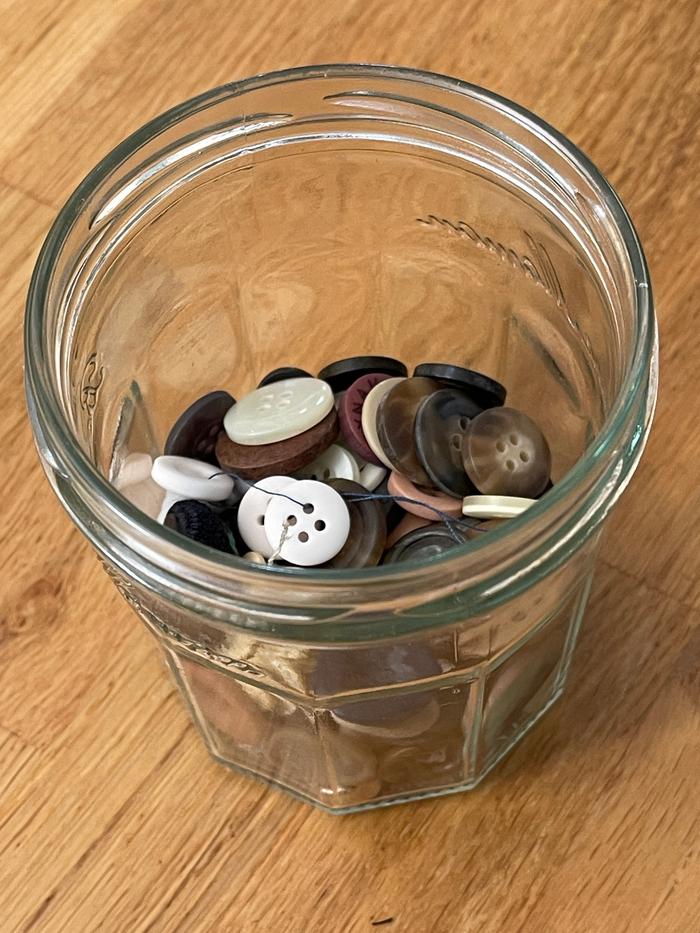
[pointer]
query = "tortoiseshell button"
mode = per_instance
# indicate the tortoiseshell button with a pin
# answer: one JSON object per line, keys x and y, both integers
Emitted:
{"x": 396, "y": 417}
{"x": 367, "y": 536}
{"x": 441, "y": 422}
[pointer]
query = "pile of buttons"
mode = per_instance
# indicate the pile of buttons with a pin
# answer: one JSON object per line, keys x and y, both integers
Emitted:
{"x": 359, "y": 466}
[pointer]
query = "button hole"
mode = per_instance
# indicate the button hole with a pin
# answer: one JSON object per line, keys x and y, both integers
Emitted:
{"x": 500, "y": 446}
{"x": 464, "y": 423}
{"x": 457, "y": 441}
{"x": 261, "y": 519}
{"x": 326, "y": 473}
{"x": 524, "y": 456}
{"x": 303, "y": 537}
{"x": 510, "y": 465}
{"x": 513, "y": 438}
{"x": 292, "y": 519}
{"x": 308, "y": 508}
{"x": 319, "y": 525}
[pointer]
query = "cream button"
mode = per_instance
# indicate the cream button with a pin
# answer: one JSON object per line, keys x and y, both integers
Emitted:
{"x": 251, "y": 512}
{"x": 278, "y": 411}
{"x": 333, "y": 463}
{"x": 369, "y": 417}
{"x": 191, "y": 479}
{"x": 495, "y": 506}
{"x": 312, "y": 529}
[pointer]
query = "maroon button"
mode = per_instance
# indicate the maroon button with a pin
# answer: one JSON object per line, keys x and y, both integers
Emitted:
{"x": 350, "y": 415}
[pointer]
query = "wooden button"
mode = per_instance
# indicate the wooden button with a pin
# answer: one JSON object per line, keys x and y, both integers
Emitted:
{"x": 486, "y": 392}
{"x": 367, "y": 535}
{"x": 195, "y": 432}
{"x": 350, "y": 415}
{"x": 396, "y": 417}
{"x": 441, "y": 422}
{"x": 278, "y": 411}
{"x": 341, "y": 374}
{"x": 422, "y": 502}
{"x": 285, "y": 457}
{"x": 505, "y": 454}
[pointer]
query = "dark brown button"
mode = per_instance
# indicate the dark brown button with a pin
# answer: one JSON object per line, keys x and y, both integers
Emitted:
{"x": 341, "y": 374}
{"x": 425, "y": 543}
{"x": 284, "y": 372}
{"x": 195, "y": 432}
{"x": 486, "y": 392}
{"x": 367, "y": 536}
{"x": 441, "y": 422}
{"x": 506, "y": 454}
{"x": 342, "y": 671}
{"x": 396, "y": 417}
{"x": 283, "y": 457}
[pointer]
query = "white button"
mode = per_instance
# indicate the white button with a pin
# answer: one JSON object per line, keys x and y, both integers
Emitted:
{"x": 135, "y": 468}
{"x": 369, "y": 417}
{"x": 333, "y": 463}
{"x": 495, "y": 506}
{"x": 310, "y": 532}
{"x": 191, "y": 479}
{"x": 251, "y": 512}
{"x": 278, "y": 411}
{"x": 168, "y": 502}
{"x": 371, "y": 475}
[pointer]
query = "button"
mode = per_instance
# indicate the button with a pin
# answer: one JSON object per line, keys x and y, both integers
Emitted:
{"x": 191, "y": 479}
{"x": 506, "y": 454}
{"x": 407, "y": 524}
{"x": 197, "y": 521}
{"x": 333, "y": 463}
{"x": 441, "y": 422}
{"x": 278, "y": 411}
{"x": 479, "y": 529}
{"x": 350, "y": 415}
{"x": 396, "y": 417}
{"x": 495, "y": 506}
{"x": 254, "y": 558}
{"x": 425, "y": 502}
{"x": 367, "y": 536}
{"x": 390, "y": 717}
{"x": 371, "y": 476}
{"x": 257, "y": 462}
{"x": 341, "y": 374}
{"x": 369, "y": 417}
{"x": 311, "y": 530}
{"x": 283, "y": 372}
{"x": 135, "y": 468}
{"x": 195, "y": 431}
{"x": 486, "y": 392}
{"x": 424, "y": 544}
{"x": 251, "y": 512}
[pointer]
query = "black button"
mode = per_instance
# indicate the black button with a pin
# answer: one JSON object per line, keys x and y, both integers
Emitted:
{"x": 195, "y": 432}
{"x": 284, "y": 372}
{"x": 486, "y": 392}
{"x": 341, "y": 374}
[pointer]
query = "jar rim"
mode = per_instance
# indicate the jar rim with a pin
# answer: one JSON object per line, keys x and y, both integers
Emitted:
{"x": 163, "y": 549}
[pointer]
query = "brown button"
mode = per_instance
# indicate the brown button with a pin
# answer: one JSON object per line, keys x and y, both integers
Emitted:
{"x": 506, "y": 454}
{"x": 396, "y": 416}
{"x": 441, "y": 422}
{"x": 283, "y": 457}
{"x": 367, "y": 537}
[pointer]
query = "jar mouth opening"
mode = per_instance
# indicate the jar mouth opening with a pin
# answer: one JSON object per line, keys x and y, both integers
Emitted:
{"x": 72, "y": 461}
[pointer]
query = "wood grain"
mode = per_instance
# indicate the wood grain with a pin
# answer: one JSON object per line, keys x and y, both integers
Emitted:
{"x": 112, "y": 817}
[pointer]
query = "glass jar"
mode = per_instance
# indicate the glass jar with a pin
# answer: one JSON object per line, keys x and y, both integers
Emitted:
{"x": 301, "y": 217}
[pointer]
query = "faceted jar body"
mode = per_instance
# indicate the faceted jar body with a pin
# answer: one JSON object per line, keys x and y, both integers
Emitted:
{"x": 292, "y": 220}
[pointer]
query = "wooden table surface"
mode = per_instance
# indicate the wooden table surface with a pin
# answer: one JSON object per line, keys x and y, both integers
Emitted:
{"x": 112, "y": 817}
